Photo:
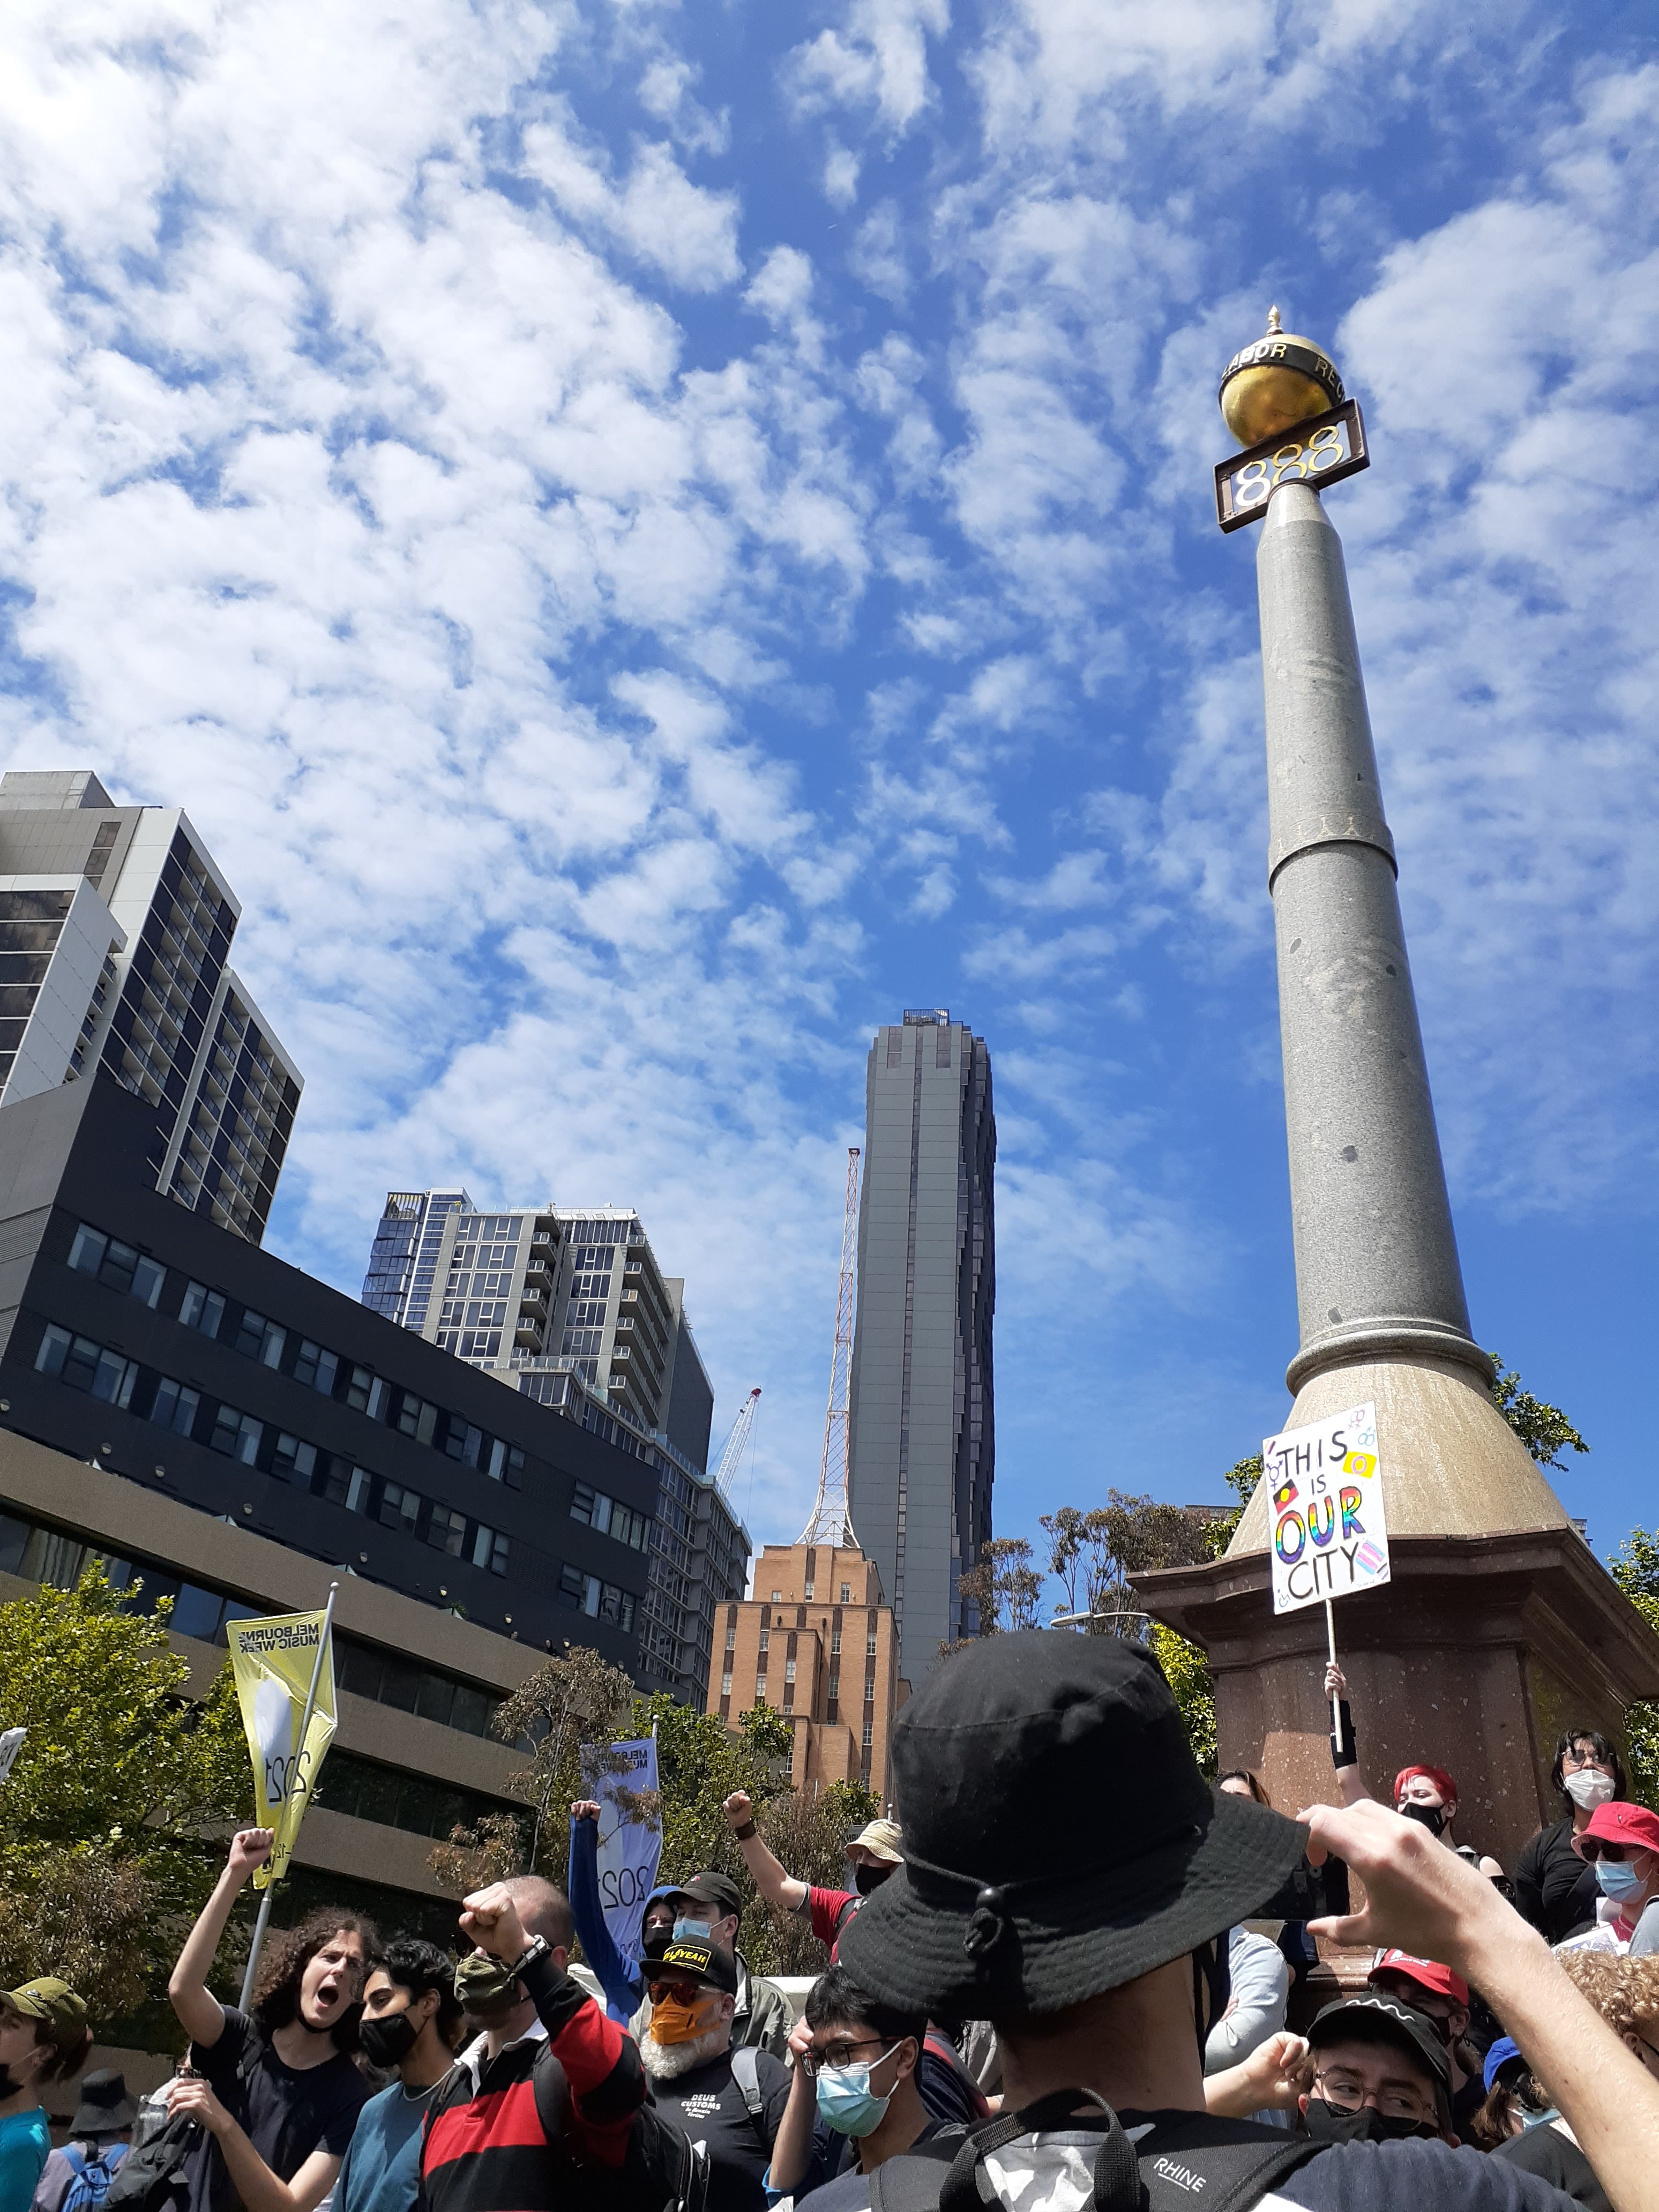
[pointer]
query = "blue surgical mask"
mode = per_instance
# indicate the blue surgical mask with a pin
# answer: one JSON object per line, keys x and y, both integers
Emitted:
{"x": 1618, "y": 1882}
{"x": 690, "y": 1932}
{"x": 846, "y": 2101}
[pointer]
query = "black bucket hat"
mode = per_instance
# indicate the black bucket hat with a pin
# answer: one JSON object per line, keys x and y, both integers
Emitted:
{"x": 105, "y": 2107}
{"x": 1059, "y": 1838}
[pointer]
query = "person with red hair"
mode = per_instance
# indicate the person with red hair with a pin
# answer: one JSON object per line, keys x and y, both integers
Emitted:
{"x": 1425, "y": 1793}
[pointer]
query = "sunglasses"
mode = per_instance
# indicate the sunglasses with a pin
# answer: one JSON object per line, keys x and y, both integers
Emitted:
{"x": 1591, "y": 1847}
{"x": 688, "y": 1993}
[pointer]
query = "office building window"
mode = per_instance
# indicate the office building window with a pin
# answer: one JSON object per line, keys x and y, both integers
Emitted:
{"x": 316, "y": 1367}
{"x": 869, "y": 1734}
{"x": 258, "y": 1339}
{"x": 846, "y": 1593}
{"x": 293, "y": 1461}
{"x": 236, "y": 1435}
{"x": 118, "y": 1266}
{"x": 610, "y": 1517}
{"x": 726, "y": 1686}
{"x": 600, "y": 1601}
{"x": 203, "y": 1309}
{"x": 85, "y": 1366}
{"x": 175, "y": 1405}
{"x": 760, "y": 1686}
{"x": 446, "y": 1532}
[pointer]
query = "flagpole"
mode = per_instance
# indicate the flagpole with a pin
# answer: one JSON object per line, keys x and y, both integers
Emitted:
{"x": 263, "y": 1920}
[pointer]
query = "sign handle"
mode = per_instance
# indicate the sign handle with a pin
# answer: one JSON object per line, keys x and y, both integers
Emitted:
{"x": 1330, "y": 1639}
{"x": 263, "y": 1920}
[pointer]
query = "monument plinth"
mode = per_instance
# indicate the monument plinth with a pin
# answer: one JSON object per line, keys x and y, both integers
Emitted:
{"x": 1499, "y": 1627}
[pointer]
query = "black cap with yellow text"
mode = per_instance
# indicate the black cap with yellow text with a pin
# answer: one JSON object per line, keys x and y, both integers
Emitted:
{"x": 694, "y": 1962}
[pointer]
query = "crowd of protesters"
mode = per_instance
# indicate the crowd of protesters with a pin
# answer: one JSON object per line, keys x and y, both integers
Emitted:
{"x": 1086, "y": 2015}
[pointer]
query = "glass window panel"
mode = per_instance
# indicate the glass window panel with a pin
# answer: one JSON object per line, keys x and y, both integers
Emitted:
{"x": 358, "y": 1489}
{"x": 119, "y": 1261}
{"x": 147, "y": 1277}
{"x": 52, "y": 1557}
{"x": 471, "y": 1709}
{"x": 197, "y": 1611}
{"x": 437, "y": 1698}
{"x": 13, "y": 1541}
{"x": 113, "y": 1382}
{"x": 400, "y": 1685}
{"x": 86, "y": 1252}
{"x": 54, "y": 1344}
{"x": 81, "y": 1363}
{"x": 176, "y": 1405}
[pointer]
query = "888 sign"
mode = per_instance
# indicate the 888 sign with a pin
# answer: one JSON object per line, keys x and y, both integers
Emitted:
{"x": 1330, "y": 446}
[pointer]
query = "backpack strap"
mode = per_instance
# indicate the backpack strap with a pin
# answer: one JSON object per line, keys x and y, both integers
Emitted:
{"x": 966, "y": 2188}
{"x": 1234, "y": 2163}
{"x": 745, "y": 2072}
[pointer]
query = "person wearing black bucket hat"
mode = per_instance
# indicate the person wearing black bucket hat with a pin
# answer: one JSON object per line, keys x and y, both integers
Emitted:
{"x": 100, "y": 2134}
{"x": 1070, "y": 1876}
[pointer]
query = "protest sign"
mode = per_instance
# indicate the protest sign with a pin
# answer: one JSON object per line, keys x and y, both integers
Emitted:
{"x": 284, "y": 1673}
{"x": 1324, "y": 1487}
{"x": 10, "y": 1744}
{"x": 621, "y": 1777}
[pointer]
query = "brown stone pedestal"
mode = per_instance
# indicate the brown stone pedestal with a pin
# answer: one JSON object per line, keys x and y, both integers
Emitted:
{"x": 1475, "y": 1657}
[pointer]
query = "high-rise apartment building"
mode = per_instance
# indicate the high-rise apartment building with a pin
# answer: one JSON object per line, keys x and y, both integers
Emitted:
{"x": 921, "y": 1448}
{"x": 570, "y": 1307}
{"x": 115, "y": 934}
{"x": 816, "y": 1644}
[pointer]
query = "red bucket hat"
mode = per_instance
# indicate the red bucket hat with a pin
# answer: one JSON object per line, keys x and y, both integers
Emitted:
{"x": 1621, "y": 1823}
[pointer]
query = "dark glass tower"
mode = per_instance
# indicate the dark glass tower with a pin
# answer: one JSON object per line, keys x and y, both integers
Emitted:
{"x": 921, "y": 1441}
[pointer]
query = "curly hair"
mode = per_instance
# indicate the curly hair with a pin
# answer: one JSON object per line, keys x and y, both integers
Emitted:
{"x": 1624, "y": 1991}
{"x": 282, "y": 1968}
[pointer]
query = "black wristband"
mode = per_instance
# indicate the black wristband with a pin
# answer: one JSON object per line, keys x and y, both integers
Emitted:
{"x": 744, "y": 1833}
{"x": 538, "y": 1948}
{"x": 1343, "y": 1750}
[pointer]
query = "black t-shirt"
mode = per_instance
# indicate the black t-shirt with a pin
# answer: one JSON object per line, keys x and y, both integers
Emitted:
{"x": 1553, "y": 1887}
{"x": 1545, "y": 2150}
{"x": 707, "y": 2103}
{"x": 285, "y": 2112}
{"x": 844, "y": 2187}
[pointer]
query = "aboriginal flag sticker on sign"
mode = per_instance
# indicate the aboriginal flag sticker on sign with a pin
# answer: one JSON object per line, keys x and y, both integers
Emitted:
{"x": 1330, "y": 1535}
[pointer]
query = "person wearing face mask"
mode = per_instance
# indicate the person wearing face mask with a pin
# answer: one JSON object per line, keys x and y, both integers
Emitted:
{"x": 1620, "y": 1844}
{"x": 854, "y": 2098}
{"x": 273, "y": 2089}
{"x": 730, "y": 2102}
{"x": 1442, "y": 1999}
{"x": 1553, "y": 1887}
{"x": 707, "y": 1905}
{"x": 44, "y": 2038}
{"x": 546, "y": 2108}
{"x": 873, "y": 1855}
{"x": 1625, "y": 1992}
{"x": 1427, "y": 1795}
{"x": 410, "y": 2024}
{"x": 1379, "y": 2074}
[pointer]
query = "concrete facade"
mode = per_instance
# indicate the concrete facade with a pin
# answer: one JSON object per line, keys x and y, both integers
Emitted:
{"x": 115, "y": 934}
{"x": 817, "y": 1645}
{"x": 921, "y": 1441}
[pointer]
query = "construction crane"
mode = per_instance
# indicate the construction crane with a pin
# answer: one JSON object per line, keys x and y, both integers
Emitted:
{"x": 736, "y": 1443}
{"x": 832, "y": 1522}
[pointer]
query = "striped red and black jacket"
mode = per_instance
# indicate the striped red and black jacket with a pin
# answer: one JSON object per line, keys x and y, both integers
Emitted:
{"x": 550, "y": 2124}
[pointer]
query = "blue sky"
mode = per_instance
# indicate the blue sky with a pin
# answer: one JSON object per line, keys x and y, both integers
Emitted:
{"x": 649, "y": 538}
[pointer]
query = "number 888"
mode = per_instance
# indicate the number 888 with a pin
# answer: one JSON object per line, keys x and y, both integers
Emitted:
{"x": 1322, "y": 451}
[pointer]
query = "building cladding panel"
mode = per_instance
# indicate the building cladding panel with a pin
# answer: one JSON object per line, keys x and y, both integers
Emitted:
{"x": 137, "y": 978}
{"x": 922, "y": 1437}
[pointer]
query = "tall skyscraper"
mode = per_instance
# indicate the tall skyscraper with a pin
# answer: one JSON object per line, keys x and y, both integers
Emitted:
{"x": 115, "y": 933}
{"x": 570, "y": 1307}
{"x": 921, "y": 1446}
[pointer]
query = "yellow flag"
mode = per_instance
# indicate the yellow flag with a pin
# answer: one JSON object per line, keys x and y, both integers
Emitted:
{"x": 273, "y": 1661}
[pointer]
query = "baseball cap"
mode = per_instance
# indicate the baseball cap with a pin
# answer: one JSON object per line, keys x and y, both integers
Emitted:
{"x": 1506, "y": 2050}
{"x": 1624, "y": 1823}
{"x": 55, "y": 2003}
{"x": 698, "y": 1962}
{"x": 1373, "y": 2019}
{"x": 710, "y": 1888}
{"x": 1427, "y": 1974}
{"x": 882, "y": 1839}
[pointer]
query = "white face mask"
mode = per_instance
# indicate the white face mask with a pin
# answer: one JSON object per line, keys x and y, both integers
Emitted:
{"x": 1588, "y": 1788}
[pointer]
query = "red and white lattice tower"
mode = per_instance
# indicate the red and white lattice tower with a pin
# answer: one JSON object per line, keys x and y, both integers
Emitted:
{"x": 831, "y": 1522}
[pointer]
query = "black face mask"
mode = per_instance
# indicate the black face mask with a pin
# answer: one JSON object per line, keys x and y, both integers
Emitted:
{"x": 1432, "y": 1817}
{"x": 1328, "y": 2123}
{"x": 387, "y": 2039}
{"x": 867, "y": 1879}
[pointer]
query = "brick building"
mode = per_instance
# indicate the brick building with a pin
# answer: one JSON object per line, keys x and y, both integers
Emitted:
{"x": 817, "y": 1644}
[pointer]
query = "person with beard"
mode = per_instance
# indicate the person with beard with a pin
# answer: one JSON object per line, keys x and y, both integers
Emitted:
{"x": 274, "y": 2090}
{"x": 1427, "y": 1795}
{"x": 546, "y": 2107}
{"x": 1379, "y": 2074}
{"x": 687, "y": 2051}
{"x": 410, "y": 2025}
{"x": 1083, "y": 1920}
{"x": 1553, "y": 1887}
{"x": 1442, "y": 1998}
{"x": 873, "y": 1854}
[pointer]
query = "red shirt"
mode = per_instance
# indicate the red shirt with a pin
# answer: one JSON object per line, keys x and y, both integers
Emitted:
{"x": 832, "y": 1910}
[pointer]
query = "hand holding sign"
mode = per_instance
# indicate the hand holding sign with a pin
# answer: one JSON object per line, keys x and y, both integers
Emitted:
{"x": 1330, "y": 1537}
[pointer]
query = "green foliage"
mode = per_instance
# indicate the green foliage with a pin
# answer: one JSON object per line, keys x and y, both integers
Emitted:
{"x": 1002, "y": 1579}
{"x": 1240, "y": 1478}
{"x": 1186, "y": 1671}
{"x": 1544, "y": 1429}
{"x": 103, "y": 1863}
{"x": 1636, "y": 1571}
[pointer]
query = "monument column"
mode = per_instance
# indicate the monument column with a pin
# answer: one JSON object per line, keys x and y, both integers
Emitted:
{"x": 1500, "y": 1627}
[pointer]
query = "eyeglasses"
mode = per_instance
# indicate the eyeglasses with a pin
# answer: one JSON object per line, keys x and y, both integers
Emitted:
{"x": 1591, "y": 1847}
{"x": 1346, "y": 2092}
{"x": 841, "y": 2054}
{"x": 688, "y": 1993}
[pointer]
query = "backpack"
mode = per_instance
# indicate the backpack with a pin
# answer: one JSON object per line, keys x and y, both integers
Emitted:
{"x": 153, "y": 2176}
{"x": 745, "y": 2072}
{"x": 93, "y": 2177}
{"x": 1229, "y": 2164}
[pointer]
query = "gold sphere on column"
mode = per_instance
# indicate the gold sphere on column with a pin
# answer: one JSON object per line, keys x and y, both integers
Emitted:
{"x": 1282, "y": 379}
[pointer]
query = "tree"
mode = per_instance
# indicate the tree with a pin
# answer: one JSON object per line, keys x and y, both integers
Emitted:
{"x": 1186, "y": 1671}
{"x": 1002, "y": 1576}
{"x": 1544, "y": 1429}
{"x": 103, "y": 1860}
{"x": 577, "y": 1698}
{"x": 1636, "y": 1571}
{"x": 1095, "y": 1555}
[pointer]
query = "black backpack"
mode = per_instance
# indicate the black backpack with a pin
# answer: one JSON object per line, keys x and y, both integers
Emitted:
{"x": 1175, "y": 2161}
{"x": 153, "y": 2176}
